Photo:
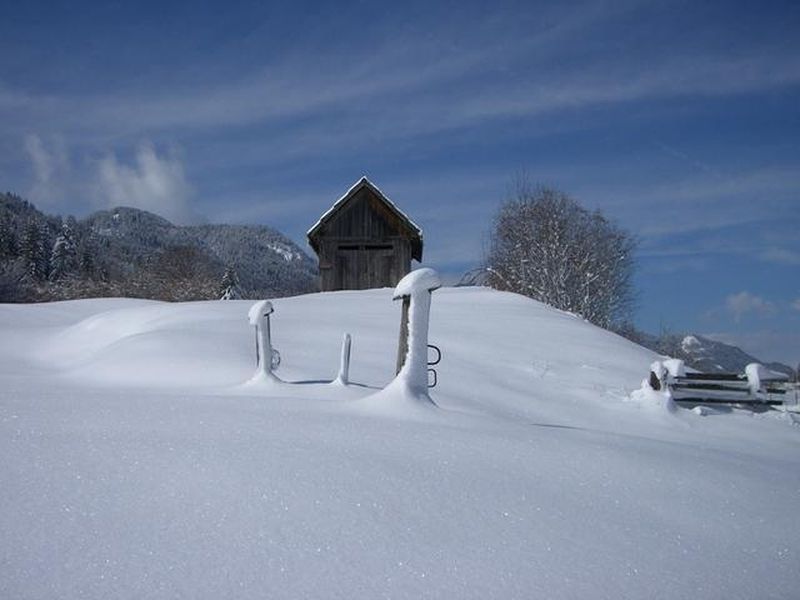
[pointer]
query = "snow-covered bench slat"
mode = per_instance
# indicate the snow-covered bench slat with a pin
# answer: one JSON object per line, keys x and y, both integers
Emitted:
{"x": 756, "y": 387}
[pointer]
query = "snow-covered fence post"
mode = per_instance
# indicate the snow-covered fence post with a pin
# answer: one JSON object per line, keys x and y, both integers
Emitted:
{"x": 415, "y": 290}
{"x": 658, "y": 376}
{"x": 664, "y": 373}
{"x": 754, "y": 373}
{"x": 343, "y": 378}
{"x": 259, "y": 317}
{"x": 402, "y": 342}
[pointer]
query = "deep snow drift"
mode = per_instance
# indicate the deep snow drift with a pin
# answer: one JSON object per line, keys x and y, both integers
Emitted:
{"x": 138, "y": 464}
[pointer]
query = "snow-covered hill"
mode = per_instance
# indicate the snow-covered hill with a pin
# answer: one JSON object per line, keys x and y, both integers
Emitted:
{"x": 137, "y": 465}
{"x": 266, "y": 261}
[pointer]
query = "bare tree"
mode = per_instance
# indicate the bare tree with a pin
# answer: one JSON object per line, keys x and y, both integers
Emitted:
{"x": 178, "y": 274}
{"x": 547, "y": 246}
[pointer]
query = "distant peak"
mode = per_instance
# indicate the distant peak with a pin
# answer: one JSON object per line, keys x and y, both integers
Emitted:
{"x": 119, "y": 213}
{"x": 690, "y": 342}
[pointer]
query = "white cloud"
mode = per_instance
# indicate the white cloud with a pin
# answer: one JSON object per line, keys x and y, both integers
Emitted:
{"x": 51, "y": 168}
{"x": 154, "y": 183}
{"x": 780, "y": 256}
{"x": 41, "y": 159}
{"x": 744, "y": 302}
{"x": 796, "y": 304}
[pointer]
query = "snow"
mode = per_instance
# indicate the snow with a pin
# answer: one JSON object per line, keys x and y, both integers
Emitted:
{"x": 690, "y": 344}
{"x": 287, "y": 253}
{"x": 675, "y": 367}
{"x": 258, "y": 311}
{"x": 659, "y": 369}
{"x": 136, "y": 465}
{"x": 417, "y": 282}
{"x": 757, "y": 374}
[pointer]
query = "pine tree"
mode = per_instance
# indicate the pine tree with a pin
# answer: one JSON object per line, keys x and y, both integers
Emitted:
{"x": 63, "y": 258}
{"x": 8, "y": 240}
{"x": 229, "y": 288}
{"x": 86, "y": 251}
{"x": 33, "y": 251}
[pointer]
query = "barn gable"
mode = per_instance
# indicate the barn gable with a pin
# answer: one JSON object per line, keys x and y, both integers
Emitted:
{"x": 364, "y": 240}
{"x": 366, "y": 212}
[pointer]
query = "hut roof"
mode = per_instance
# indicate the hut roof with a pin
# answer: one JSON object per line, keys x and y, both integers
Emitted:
{"x": 413, "y": 230}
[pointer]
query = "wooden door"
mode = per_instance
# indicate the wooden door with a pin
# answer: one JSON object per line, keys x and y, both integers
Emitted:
{"x": 364, "y": 266}
{"x": 378, "y": 267}
{"x": 347, "y": 268}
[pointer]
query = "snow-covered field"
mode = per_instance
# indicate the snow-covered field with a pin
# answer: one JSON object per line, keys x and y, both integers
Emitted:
{"x": 135, "y": 464}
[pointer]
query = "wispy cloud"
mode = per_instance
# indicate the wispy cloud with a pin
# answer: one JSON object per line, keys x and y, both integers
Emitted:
{"x": 766, "y": 345}
{"x": 781, "y": 256}
{"x": 743, "y": 303}
{"x": 153, "y": 183}
{"x": 671, "y": 264}
{"x": 796, "y": 304}
{"x": 729, "y": 201}
{"x": 416, "y": 85}
{"x": 51, "y": 169}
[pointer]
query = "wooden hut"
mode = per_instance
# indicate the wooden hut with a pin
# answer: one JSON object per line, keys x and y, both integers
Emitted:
{"x": 364, "y": 241}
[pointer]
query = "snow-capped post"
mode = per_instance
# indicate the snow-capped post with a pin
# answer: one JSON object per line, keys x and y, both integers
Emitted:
{"x": 658, "y": 374}
{"x": 756, "y": 374}
{"x": 259, "y": 317}
{"x": 402, "y": 343}
{"x": 415, "y": 291}
{"x": 663, "y": 373}
{"x": 343, "y": 378}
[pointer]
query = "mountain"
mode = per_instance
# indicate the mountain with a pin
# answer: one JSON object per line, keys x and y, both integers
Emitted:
{"x": 130, "y": 252}
{"x": 706, "y": 355}
{"x": 711, "y": 356}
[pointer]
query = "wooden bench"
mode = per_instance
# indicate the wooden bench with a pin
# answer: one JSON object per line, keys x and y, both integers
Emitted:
{"x": 756, "y": 389}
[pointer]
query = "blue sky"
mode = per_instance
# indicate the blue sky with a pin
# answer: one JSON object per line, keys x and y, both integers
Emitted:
{"x": 680, "y": 120}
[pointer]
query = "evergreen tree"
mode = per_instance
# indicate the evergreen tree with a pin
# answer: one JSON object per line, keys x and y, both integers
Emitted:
{"x": 87, "y": 254}
{"x": 8, "y": 239}
{"x": 33, "y": 251}
{"x": 229, "y": 288}
{"x": 63, "y": 258}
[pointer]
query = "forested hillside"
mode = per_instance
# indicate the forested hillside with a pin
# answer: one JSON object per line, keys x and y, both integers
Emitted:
{"x": 130, "y": 252}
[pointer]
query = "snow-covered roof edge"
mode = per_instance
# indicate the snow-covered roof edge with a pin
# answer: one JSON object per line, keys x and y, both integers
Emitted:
{"x": 363, "y": 181}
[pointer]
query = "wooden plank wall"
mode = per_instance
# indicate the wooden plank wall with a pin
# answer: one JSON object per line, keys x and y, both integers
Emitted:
{"x": 361, "y": 247}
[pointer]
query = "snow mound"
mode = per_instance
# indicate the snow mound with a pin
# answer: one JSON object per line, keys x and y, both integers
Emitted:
{"x": 137, "y": 465}
{"x": 151, "y": 344}
{"x": 416, "y": 282}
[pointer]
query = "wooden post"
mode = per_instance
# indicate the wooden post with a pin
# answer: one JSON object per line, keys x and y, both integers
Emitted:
{"x": 265, "y": 345}
{"x": 402, "y": 343}
{"x": 343, "y": 377}
{"x": 259, "y": 317}
{"x": 412, "y": 352}
{"x": 655, "y": 382}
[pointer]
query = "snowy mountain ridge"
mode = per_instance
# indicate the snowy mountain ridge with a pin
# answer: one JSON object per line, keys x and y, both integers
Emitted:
{"x": 127, "y": 252}
{"x": 703, "y": 353}
{"x": 711, "y": 356}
